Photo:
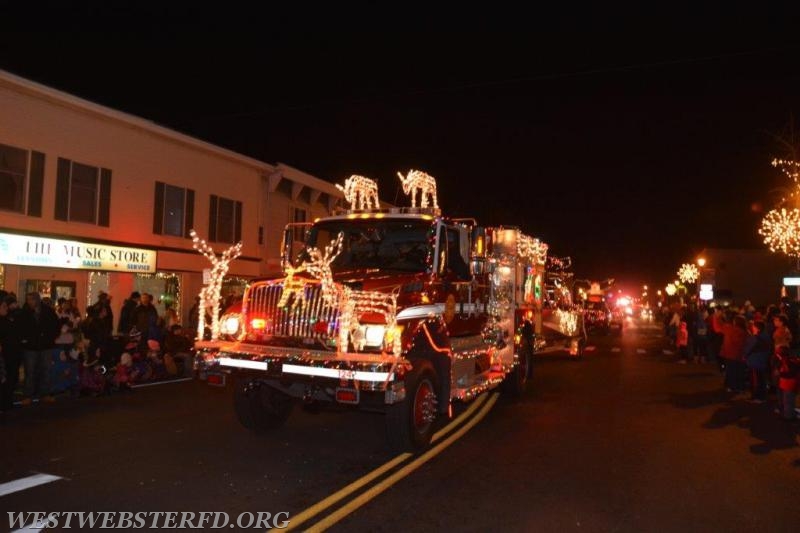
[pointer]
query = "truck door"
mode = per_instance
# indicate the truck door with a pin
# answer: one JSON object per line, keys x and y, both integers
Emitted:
{"x": 461, "y": 313}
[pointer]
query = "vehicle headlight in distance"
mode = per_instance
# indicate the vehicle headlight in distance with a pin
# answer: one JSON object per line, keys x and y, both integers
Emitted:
{"x": 373, "y": 335}
{"x": 230, "y": 324}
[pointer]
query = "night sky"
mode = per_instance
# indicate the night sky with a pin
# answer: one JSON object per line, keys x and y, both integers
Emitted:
{"x": 628, "y": 141}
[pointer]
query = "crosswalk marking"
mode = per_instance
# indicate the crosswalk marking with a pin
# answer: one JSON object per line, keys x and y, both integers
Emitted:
{"x": 616, "y": 349}
{"x": 26, "y": 483}
{"x": 640, "y": 350}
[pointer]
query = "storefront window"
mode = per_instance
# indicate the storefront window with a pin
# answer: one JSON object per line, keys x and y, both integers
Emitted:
{"x": 98, "y": 282}
{"x": 165, "y": 288}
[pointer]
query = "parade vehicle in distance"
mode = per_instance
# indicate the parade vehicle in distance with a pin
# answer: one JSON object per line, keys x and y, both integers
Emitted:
{"x": 401, "y": 310}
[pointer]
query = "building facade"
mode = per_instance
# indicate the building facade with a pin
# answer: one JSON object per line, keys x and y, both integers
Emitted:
{"x": 93, "y": 199}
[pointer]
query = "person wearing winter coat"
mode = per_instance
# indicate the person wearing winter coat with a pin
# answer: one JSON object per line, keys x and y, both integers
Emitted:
{"x": 788, "y": 382}
{"x": 734, "y": 335}
{"x": 39, "y": 329}
{"x": 758, "y": 349}
{"x": 682, "y": 342}
{"x": 126, "y": 314}
{"x": 10, "y": 350}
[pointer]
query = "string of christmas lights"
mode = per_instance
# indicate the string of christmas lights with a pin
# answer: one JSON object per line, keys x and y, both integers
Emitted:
{"x": 210, "y": 295}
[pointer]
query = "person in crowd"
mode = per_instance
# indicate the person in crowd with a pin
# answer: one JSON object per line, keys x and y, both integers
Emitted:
{"x": 67, "y": 324}
{"x": 92, "y": 374}
{"x": 39, "y": 329}
{"x": 170, "y": 317}
{"x": 734, "y": 336}
{"x": 788, "y": 382}
{"x": 145, "y": 319}
{"x": 103, "y": 303}
{"x": 673, "y": 325}
{"x": 758, "y": 349}
{"x": 178, "y": 347}
{"x": 700, "y": 345}
{"x": 715, "y": 322}
{"x": 682, "y": 342}
{"x": 10, "y": 351}
{"x": 123, "y": 372}
{"x": 126, "y": 314}
{"x": 781, "y": 335}
{"x": 95, "y": 330}
{"x": 194, "y": 316}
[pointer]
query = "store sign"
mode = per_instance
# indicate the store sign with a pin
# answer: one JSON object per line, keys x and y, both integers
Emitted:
{"x": 57, "y": 253}
{"x": 791, "y": 282}
{"x": 706, "y": 292}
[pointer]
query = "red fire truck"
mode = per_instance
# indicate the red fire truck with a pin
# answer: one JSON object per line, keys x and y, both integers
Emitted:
{"x": 401, "y": 310}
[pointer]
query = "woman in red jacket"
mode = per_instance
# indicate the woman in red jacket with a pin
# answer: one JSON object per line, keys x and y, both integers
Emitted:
{"x": 734, "y": 336}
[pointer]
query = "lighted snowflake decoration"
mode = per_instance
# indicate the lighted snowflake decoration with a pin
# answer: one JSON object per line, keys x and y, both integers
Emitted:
{"x": 688, "y": 273}
{"x": 781, "y": 231}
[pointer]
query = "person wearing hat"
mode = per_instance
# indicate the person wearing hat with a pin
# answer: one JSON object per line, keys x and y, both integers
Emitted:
{"x": 126, "y": 314}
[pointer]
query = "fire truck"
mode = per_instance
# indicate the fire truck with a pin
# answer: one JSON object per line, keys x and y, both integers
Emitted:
{"x": 401, "y": 310}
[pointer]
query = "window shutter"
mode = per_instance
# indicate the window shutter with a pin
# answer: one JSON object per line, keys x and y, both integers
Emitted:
{"x": 158, "y": 209}
{"x": 104, "y": 212}
{"x": 237, "y": 229}
{"x": 36, "y": 186}
{"x": 212, "y": 219}
{"x": 62, "y": 189}
{"x": 188, "y": 220}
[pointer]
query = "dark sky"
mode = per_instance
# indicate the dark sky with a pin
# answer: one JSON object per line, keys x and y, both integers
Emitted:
{"x": 628, "y": 140}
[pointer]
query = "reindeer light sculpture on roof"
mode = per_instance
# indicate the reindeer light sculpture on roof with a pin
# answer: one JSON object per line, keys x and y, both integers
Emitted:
{"x": 360, "y": 192}
{"x": 352, "y": 303}
{"x": 210, "y": 294}
{"x": 416, "y": 180}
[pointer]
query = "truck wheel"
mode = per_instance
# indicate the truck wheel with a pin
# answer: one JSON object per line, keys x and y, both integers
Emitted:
{"x": 410, "y": 423}
{"x": 516, "y": 380}
{"x": 259, "y": 407}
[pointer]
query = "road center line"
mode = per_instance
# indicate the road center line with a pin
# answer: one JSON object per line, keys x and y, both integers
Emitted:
{"x": 26, "y": 483}
{"x": 320, "y": 506}
{"x": 376, "y": 490}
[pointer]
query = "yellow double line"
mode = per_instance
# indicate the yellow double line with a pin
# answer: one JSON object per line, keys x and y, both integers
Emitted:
{"x": 482, "y": 404}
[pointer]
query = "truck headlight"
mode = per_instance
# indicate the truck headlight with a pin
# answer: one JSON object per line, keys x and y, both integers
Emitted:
{"x": 230, "y": 324}
{"x": 373, "y": 335}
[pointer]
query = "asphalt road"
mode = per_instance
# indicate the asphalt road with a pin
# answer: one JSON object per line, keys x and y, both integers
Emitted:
{"x": 620, "y": 441}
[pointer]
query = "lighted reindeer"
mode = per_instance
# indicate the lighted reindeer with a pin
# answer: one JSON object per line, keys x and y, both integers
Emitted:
{"x": 293, "y": 285}
{"x": 210, "y": 294}
{"x": 360, "y": 192}
{"x": 351, "y": 303}
{"x": 416, "y": 180}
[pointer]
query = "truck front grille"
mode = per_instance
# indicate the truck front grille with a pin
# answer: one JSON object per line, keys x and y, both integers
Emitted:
{"x": 310, "y": 320}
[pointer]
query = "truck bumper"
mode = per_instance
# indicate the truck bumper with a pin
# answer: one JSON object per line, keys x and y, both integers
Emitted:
{"x": 363, "y": 371}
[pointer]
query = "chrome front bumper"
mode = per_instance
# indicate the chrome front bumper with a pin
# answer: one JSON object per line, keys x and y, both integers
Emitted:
{"x": 367, "y": 371}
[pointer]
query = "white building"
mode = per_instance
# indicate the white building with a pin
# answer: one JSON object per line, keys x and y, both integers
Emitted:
{"x": 95, "y": 199}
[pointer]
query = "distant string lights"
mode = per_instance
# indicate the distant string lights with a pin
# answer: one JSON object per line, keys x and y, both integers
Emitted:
{"x": 688, "y": 273}
{"x": 780, "y": 227}
{"x": 781, "y": 231}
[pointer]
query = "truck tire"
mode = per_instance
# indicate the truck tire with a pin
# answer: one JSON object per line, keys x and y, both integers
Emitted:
{"x": 410, "y": 423}
{"x": 516, "y": 380}
{"x": 259, "y": 407}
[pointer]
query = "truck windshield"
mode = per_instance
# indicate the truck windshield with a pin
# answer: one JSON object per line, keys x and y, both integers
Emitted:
{"x": 389, "y": 244}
